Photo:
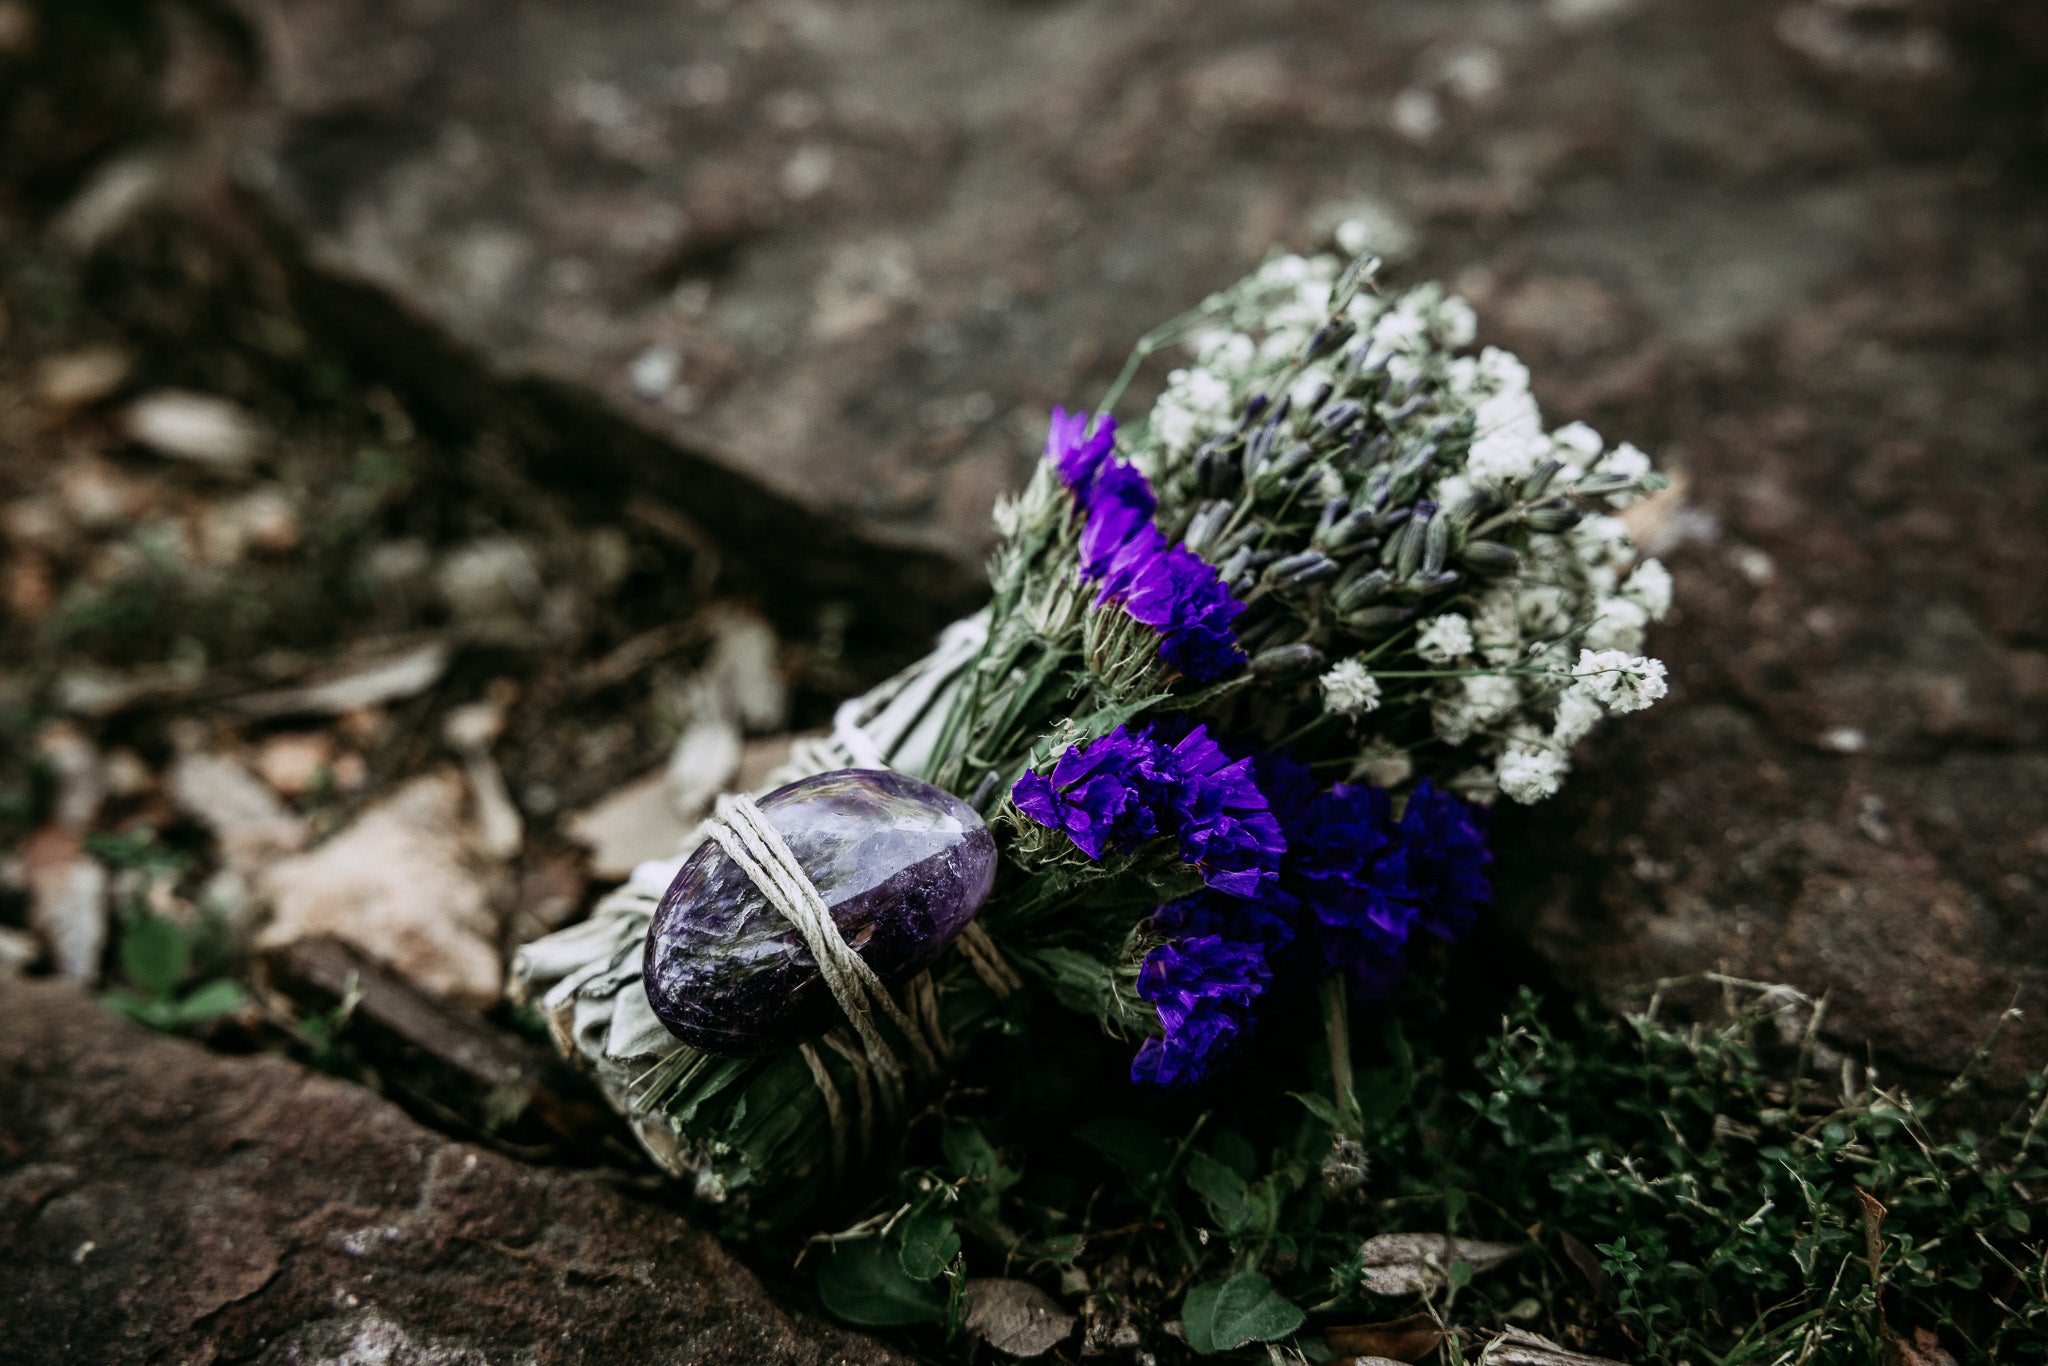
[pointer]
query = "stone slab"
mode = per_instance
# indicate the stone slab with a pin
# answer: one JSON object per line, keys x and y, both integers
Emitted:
{"x": 162, "y": 1203}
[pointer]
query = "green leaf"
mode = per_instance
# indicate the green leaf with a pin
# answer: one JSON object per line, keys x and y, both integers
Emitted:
{"x": 1223, "y": 1315}
{"x": 972, "y": 1155}
{"x": 929, "y": 1244}
{"x": 1223, "y": 1188}
{"x": 155, "y": 954}
{"x": 1136, "y": 1147}
{"x": 1234, "y": 1151}
{"x": 210, "y": 1001}
{"x": 863, "y": 1283}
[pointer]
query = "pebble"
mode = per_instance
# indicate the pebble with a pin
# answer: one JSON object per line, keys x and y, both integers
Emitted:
{"x": 79, "y": 379}
{"x": 200, "y": 428}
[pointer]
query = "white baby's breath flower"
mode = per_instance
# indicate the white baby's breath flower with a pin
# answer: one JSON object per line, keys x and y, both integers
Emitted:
{"x": 1620, "y": 682}
{"x": 1509, "y": 440}
{"x": 1624, "y": 460}
{"x": 1226, "y": 354}
{"x": 1545, "y": 610}
{"x": 1617, "y": 625}
{"x": 1451, "y": 490}
{"x": 1604, "y": 549}
{"x": 1507, "y": 452}
{"x": 1503, "y": 371}
{"x": 1445, "y": 638}
{"x": 1466, "y": 704}
{"x": 1195, "y": 401}
{"x": 1650, "y": 588}
{"x": 1531, "y": 769}
{"x": 1477, "y": 785}
{"x": 1349, "y": 689}
{"x": 1455, "y": 324}
{"x": 1576, "y": 444}
{"x": 1577, "y": 711}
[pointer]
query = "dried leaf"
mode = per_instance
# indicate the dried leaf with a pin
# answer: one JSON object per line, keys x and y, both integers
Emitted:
{"x": 1587, "y": 1263}
{"x": 1016, "y": 1316}
{"x": 1925, "y": 1349}
{"x": 1397, "y": 1264}
{"x": 409, "y": 670}
{"x": 1410, "y": 1338}
{"x": 1519, "y": 1347}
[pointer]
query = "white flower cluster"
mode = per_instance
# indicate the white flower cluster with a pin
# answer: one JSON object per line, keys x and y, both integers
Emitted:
{"x": 1522, "y": 666}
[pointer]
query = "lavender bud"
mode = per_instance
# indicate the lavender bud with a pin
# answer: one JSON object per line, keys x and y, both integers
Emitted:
{"x": 1415, "y": 461}
{"x": 1339, "y": 414}
{"x": 1362, "y": 591}
{"x": 1235, "y": 565}
{"x": 1347, "y": 532}
{"x": 1323, "y": 392}
{"x": 1436, "y": 545}
{"x": 1474, "y": 505}
{"x": 1256, "y": 448}
{"x": 1216, "y": 469}
{"x": 1490, "y": 559}
{"x": 1599, "y": 485}
{"x": 1253, "y": 406}
{"x": 1406, "y": 408}
{"x": 1286, "y": 463}
{"x": 1332, "y": 513}
{"x": 1300, "y": 657}
{"x": 1377, "y": 489}
{"x": 1207, "y": 521}
{"x": 1553, "y": 517}
{"x": 1328, "y": 338}
{"x": 1309, "y": 566}
{"x": 1409, "y": 558}
{"x": 1534, "y": 485}
{"x": 1348, "y": 284}
{"x": 1376, "y": 618}
{"x": 1436, "y": 583}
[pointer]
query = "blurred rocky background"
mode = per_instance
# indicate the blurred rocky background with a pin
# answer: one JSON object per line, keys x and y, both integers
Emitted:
{"x": 442, "y": 442}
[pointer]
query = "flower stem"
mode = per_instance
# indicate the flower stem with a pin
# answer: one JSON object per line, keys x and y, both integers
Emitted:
{"x": 1337, "y": 1024}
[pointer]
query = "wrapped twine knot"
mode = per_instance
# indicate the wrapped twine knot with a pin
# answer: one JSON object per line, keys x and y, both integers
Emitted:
{"x": 740, "y": 828}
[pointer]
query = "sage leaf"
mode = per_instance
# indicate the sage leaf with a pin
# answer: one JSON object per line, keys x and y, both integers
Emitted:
{"x": 863, "y": 1283}
{"x": 210, "y": 1001}
{"x": 929, "y": 1244}
{"x": 1223, "y": 1315}
{"x": 155, "y": 954}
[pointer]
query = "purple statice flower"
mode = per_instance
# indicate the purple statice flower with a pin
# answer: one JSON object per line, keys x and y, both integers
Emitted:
{"x": 1169, "y": 588}
{"x": 1203, "y": 987}
{"x": 1113, "y": 793}
{"x": 1445, "y": 839}
{"x": 1077, "y": 447}
{"x": 1224, "y": 824}
{"x": 1270, "y": 920}
{"x": 1180, "y": 595}
{"x": 1354, "y": 884}
{"x": 1101, "y": 794}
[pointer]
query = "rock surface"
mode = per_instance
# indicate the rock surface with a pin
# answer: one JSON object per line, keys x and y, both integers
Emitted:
{"x": 162, "y": 1203}
{"x": 850, "y": 254}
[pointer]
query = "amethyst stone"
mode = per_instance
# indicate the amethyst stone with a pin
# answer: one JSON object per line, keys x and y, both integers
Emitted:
{"x": 902, "y": 865}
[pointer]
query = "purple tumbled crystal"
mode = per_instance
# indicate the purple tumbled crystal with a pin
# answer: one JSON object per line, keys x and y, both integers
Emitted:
{"x": 902, "y": 865}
